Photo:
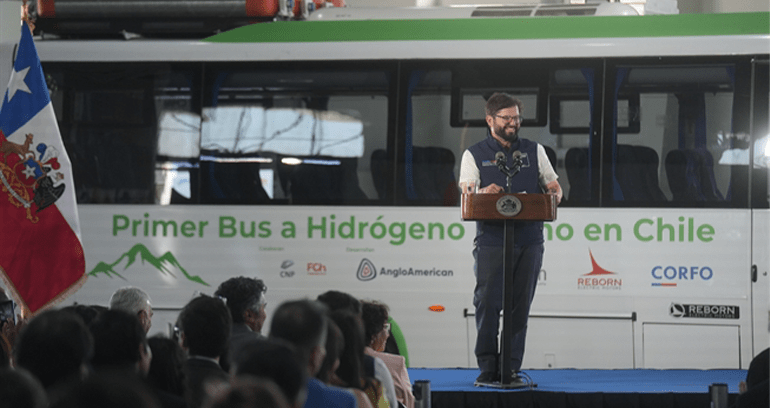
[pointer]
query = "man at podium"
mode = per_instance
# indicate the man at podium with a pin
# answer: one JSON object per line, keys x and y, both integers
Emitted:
{"x": 487, "y": 167}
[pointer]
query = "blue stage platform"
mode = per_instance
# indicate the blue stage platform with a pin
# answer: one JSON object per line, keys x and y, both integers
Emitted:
{"x": 558, "y": 388}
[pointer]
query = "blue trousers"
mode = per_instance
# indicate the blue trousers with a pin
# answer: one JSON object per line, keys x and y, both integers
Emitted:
{"x": 488, "y": 300}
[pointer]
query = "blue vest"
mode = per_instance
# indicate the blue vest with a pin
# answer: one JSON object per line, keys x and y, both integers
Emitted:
{"x": 490, "y": 233}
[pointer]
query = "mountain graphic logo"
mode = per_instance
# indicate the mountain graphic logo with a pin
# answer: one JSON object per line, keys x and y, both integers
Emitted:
{"x": 162, "y": 264}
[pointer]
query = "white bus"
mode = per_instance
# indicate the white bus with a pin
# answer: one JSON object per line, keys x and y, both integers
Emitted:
{"x": 323, "y": 154}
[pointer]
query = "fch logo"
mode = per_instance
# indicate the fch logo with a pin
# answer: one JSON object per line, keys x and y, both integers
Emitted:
{"x": 366, "y": 270}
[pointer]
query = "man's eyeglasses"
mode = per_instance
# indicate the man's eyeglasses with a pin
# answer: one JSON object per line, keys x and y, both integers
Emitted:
{"x": 516, "y": 119}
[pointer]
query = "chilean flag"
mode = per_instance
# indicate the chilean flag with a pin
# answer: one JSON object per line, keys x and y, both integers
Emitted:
{"x": 41, "y": 254}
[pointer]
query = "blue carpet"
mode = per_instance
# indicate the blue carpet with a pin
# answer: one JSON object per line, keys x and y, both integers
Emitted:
{"x": 591, "y": 381}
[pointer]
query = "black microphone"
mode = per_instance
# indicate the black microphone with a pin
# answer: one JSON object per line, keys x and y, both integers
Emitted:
{"x": 517, "y": 162}
{"x": 501, "y": 162}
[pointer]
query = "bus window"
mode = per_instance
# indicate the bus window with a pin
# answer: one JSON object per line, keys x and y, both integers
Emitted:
{"x": 559, "y": 111}
{"x": 292, "y": 136}
{"x": 680, "y": 154}
{"x": 108, "y": 117}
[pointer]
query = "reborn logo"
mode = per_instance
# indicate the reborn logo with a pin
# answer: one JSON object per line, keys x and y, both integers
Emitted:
{"x": 599, "y": 278}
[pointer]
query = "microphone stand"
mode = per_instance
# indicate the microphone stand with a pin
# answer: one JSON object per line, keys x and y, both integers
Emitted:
{"x": 506, "y": 334}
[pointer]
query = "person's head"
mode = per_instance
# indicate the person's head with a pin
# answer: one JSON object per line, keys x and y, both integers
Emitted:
{"x": 376, "y": 326}
{"x": 351, "y": 369}
{"x": 246, "y": 300}
{"x": 303, "y": 324}
{"x": 336, "y": 300}
{"x": 166, "y": 366}
{"x": 335, "y": 344}
{"x": 205, "y": 325}
{"x": 119, "y": 342}
{"x": 20, "y": 389}
{"x": 503, "y": 116}
{"x": 86, "y": 312}
{"x": 135, "y": 301}
{"x": 54, "y": 346}
{"x": 249, "y": 392}
{"x": 108, "y": 389}
{"x": 277, "y": 361}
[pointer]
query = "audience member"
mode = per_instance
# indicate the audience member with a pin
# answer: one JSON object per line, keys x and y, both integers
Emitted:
{"x": 108, "y": 389}
{"x": 245, "y": 298}
{"x": 54, "y": 346}
{"x": 166, "y": 366}
{"x": 86, "y": 312}
{"x": 377, "y": 331}
{"x": 335, "y": 345}
{"x": 119, "y": 343}
{"x": 204, "y": 325}
{"x": 336, "y": 300}
{"x": 277, "y": 361}
{"x": 135, "y": 301}
{"x": 351, "y": 368}
{"x": 249, "y": 392}
{"x": 120, "y": 348}
{"x": 20, "y": 389}
{"x": 303, "y": 324}
{"x": 373, "y": 366}
{"x": 755, "y": 391}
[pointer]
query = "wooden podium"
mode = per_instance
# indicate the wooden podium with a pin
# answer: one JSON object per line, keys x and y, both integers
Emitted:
{"x": 508, "y": 208}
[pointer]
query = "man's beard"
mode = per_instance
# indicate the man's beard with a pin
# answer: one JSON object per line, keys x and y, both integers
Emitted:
{"x": 510, "y": 138}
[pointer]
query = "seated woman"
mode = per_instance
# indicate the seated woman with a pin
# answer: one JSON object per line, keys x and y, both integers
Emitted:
{"x": 377, "y": 330}
{"x": 351, "y": 371}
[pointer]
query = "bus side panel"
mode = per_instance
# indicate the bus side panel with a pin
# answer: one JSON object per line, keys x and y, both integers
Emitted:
{"x": 613, "y": 284}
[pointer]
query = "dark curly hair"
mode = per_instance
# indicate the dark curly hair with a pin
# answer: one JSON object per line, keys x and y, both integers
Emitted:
{"x": 374, "y": 315}
{"x": 242, "y": 294}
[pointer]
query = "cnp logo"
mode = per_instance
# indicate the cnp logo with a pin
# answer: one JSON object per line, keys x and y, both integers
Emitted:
{"x": 285, "y": 272}
{"x": 366, "y": 270}
{"x": 316, "y": 268}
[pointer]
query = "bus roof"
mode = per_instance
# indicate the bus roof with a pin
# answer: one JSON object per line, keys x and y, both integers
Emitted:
{"x": 488, "y": 38}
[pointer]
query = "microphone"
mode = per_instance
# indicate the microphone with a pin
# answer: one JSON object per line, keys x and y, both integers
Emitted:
{"x": 517, "y": 162}
{"x": 500, "y": 161}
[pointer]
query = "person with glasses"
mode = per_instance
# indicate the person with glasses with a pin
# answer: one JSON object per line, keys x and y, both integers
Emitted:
{"x": 480, "y": 173}
{"x": 377, "y": 331}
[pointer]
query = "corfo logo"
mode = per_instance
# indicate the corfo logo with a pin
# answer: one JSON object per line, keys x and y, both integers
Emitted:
{"x": 599, "y": 278}
{"x": 285, "y": 271}
{"x": 366, "y": 270}
{"x": 679, "y": 310}
{"x": 668, "y": 276}
{"x": 162, "y": 264}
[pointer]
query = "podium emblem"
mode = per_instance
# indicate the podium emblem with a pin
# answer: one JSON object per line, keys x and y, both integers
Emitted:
{"x": 508, "y": 206}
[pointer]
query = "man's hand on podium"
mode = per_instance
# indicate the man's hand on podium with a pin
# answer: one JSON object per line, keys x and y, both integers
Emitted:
{"x": 491, "y": 189}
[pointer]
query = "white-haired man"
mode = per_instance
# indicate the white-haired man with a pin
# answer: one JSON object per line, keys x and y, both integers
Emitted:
{"x": 136, "y": 301}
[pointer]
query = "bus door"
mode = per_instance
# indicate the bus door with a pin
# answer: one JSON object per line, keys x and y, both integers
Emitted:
{"x": 760, "y": 262}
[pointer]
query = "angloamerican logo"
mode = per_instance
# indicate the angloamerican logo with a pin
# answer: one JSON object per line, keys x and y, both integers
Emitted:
{"x": 599, "y": 278}
{"x": 367, "y": 271}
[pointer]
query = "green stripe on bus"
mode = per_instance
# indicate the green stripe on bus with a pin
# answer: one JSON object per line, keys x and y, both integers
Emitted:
{"x": 501, "y": 28}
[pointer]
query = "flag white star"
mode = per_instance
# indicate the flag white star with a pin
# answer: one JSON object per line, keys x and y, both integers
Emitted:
{"x": 29, "y": 172}
{"x": 17, "y": 82}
